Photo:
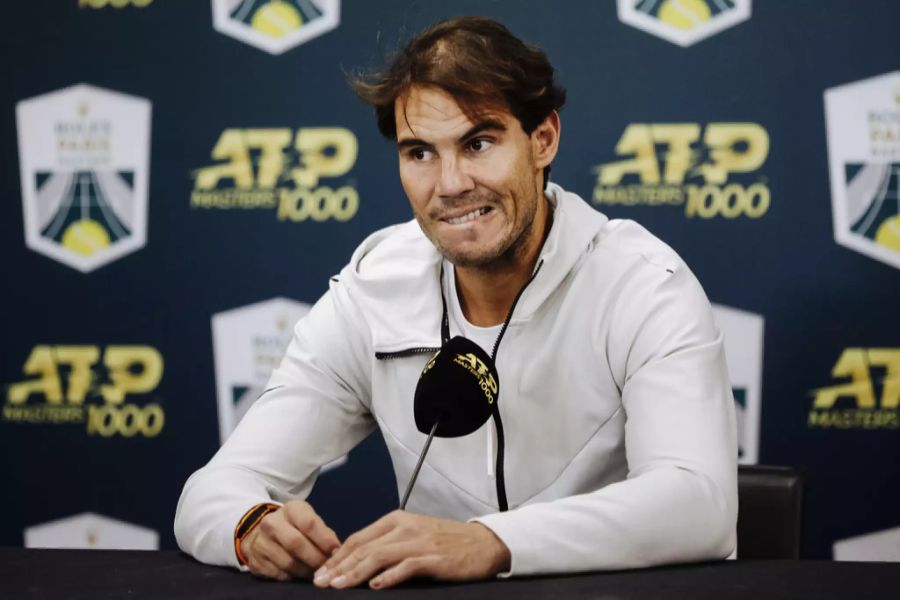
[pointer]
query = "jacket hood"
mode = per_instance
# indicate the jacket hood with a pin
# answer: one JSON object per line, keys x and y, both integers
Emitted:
{"x": 394, "y": 276}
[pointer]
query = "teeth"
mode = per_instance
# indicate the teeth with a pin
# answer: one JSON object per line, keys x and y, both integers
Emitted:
{"x": 468, "y": 216}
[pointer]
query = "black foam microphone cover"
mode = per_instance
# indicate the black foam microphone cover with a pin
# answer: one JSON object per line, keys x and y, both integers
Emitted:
{"x": 458, "y": 389}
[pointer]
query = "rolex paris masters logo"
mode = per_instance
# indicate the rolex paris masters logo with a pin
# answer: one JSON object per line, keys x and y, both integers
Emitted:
{"x": 275, "y": 25}
{"x": 84, "y": 159}
{"x": 683, "y": 22}
{"x": 249, "y": 342}
{"x": 743, "y": 333}
{"x": 863, "y": 121}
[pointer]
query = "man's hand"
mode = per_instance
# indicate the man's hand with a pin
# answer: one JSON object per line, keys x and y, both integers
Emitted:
{"x": 292, "y": 541}
{"x": 403, "y": 545}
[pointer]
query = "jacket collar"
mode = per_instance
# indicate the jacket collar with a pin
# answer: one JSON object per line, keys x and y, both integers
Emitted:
{"x": 394, "y": 276}
{"x": 575, "y": 226}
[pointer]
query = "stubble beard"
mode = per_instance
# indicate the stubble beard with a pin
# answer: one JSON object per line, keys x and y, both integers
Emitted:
{"x": 502, "y": 255}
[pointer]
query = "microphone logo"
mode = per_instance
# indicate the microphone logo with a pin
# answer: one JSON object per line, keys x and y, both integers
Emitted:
{"x": 478, "y": 369}
{"x": 430, "y": 364}
{"x": 450, "y": 400}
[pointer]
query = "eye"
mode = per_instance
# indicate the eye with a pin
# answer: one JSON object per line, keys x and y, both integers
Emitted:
{"x": 480, "y": 144}
{"x": 420, "y": 154}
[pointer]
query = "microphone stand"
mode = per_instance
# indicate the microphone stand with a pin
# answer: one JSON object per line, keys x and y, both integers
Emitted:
{"x": 418, "y": 465}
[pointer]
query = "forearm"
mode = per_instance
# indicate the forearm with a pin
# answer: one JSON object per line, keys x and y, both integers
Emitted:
{"x": 665, "y": 515}
{"x": 313, "y": 412}
{"x": 212, "y": 503}
{"x": 273, "y": 456}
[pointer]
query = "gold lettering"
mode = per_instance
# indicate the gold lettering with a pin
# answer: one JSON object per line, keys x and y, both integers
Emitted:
{"x": 324, "y": 152}
{"x": 40, "y": 362}
{"x": 234, "y": 145}
{"x": 722, "y": 138}
{"x": 271, "y": 143}
{"x": 678, "y": 157}
{"x": 120, "y": 360}
{"x": 81, "y": 359}
{"x": 890, "y": 359}
{"x": 853, "y": 364}
{"x": 637, "y": 140}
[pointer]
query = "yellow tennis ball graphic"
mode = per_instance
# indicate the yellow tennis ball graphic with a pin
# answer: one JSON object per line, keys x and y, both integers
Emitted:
{"x": 85, "y": 237}
{"x": 276, "y": 19}
{"x": 888, "y": 233}
{"x": 684, "y": 14}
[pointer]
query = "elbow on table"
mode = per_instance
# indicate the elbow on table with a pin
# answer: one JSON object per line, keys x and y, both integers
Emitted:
{"x": 721, "y": 540}
{"x": 184, "y": 526}
{"x": 715, "y": 522}
{"x": 699, "y": 523}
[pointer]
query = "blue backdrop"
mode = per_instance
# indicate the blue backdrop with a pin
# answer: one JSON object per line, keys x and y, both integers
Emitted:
{"x": 259, "y": 172}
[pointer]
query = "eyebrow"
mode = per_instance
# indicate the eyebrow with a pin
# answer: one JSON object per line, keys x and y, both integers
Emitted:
{"x": 480, "y": 127}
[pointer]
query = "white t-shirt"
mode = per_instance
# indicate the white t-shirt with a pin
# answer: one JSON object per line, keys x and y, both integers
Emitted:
{"x": 485, "y": 337}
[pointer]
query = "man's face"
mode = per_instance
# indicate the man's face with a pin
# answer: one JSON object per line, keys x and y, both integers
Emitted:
{"x": 475, "y": 187}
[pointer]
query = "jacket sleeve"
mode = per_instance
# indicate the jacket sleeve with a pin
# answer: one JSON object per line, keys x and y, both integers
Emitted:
{"x": 679, "y": 500}
{"x": 314, "y": 410}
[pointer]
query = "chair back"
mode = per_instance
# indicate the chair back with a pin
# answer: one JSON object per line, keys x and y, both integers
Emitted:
{"x": 770, "y": 512}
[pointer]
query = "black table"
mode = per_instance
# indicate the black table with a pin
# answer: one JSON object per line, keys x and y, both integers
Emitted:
{"x": 99, "y": 574}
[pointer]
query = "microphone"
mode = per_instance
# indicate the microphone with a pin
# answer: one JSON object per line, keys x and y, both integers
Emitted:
{"x": 456, "y": 394}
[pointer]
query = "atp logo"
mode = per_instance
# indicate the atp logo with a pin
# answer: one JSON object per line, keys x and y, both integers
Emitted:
{"x": 84, "y": 159}
{"x": 743, "y": 333}
{"x": 871, "y": 397}
{"x": 277, "y": 169}
{"x": 706, "y": 170}
{"x": 90, "y": 384}
{"x": 275, "y": 25}
{"x": 430, "y": 364}
{"x": 863, "y": 120}
{"x": 476, "y": 367}
{"x": 683, "y": 22}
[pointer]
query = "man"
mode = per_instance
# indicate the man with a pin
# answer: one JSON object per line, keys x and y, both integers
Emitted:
{"x": 620, "y": 445}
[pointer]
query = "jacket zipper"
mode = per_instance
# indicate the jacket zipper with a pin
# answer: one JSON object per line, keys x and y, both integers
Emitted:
{"x": 497, "y": 438}
{"x": 404, "y": 353}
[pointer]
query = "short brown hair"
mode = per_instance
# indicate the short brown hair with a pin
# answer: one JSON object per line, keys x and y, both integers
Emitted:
{"x": 478, "y": 62}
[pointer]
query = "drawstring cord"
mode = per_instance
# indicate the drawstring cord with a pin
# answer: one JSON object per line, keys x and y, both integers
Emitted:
{"x": 498, "y": 422}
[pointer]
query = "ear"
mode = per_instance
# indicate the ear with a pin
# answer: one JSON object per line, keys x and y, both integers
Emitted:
{"x": 545, "y": 140}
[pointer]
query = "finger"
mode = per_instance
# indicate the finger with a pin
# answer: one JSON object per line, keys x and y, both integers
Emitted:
{"x": 311, "y": 525}
{"x": 271, "y": 551}
{"x": 262, "y": 567}
{"x": 325, "y": 575}
{"x": 374, "y": 531}
{"x": 371, "y": 559}
{"x": 299, "y": 547}
{"x": 418, "y": 566}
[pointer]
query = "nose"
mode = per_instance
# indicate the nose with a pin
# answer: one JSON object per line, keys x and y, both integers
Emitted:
{"x": 454, "y": 180}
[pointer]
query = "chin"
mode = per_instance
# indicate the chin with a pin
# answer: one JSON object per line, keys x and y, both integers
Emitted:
{"x": 472, "y": 257}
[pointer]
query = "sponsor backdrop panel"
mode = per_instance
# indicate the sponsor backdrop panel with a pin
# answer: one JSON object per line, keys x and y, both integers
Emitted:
{"x": 180, "y": 179}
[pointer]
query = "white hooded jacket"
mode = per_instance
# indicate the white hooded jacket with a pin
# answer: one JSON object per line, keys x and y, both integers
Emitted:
{"x": 620, "y": 444}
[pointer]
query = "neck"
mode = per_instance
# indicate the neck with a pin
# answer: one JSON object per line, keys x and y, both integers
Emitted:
{"x": 486, "y": 293}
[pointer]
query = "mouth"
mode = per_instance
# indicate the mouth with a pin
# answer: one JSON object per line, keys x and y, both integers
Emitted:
{"x": 469, "y": 216}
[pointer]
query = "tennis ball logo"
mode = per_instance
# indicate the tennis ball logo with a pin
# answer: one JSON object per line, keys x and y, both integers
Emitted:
{"x": 684, "y": 14}
{"x": 888, "y": 234}
{"x": 85, "y": 237}
{"x": 275, "y": 19}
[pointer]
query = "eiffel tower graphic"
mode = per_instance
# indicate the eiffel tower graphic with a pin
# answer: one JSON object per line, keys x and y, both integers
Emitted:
{"x": 290, "y": 13}
{"x": 653, "y": 7}
{"x": 85, "y": 211}
{"x": 876, "y": 188}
